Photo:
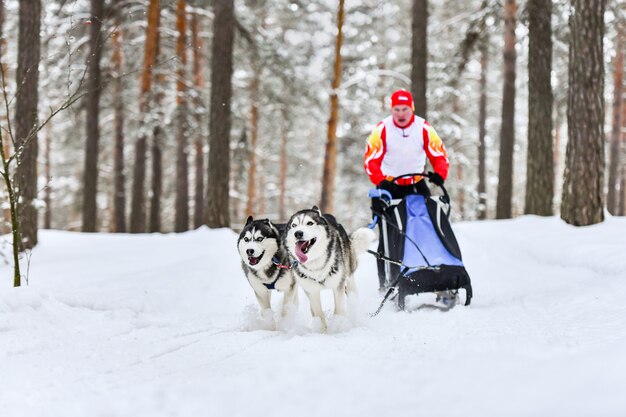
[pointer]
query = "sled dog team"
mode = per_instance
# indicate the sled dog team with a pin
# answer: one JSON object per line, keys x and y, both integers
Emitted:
{"x": 312, "y": 250}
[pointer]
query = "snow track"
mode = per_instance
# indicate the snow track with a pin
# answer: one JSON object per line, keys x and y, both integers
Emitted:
{"x": 166, "y": 325}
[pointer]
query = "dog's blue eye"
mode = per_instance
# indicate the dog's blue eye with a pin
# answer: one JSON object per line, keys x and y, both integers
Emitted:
{"x": 309, "y": 224}
{"x": 293, "y": 225}
{"x": 245, "y": 239}
{"x": 259, "y": 239}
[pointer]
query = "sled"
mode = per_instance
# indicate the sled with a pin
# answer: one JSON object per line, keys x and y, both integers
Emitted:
{"x": 420, "y": 252}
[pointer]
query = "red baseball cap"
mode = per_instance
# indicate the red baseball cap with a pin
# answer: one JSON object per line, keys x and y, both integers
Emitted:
{"x": 402, "y": 98}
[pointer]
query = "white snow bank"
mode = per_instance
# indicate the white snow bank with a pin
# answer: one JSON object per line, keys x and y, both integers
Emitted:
{"x": 166, "y": 325}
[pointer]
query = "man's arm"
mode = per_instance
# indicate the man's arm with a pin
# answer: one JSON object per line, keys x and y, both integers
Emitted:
{"x": 436, "y": 151}
{"x": 374, "y": 153}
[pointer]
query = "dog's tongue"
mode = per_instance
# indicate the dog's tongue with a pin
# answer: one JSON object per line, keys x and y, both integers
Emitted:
{"x": 300, "y": 246}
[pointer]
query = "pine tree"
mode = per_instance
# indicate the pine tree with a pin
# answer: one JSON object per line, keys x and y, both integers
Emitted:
{"x": 615, "y": 150}
{"x": 539, "y": 166}
{"x": 419, "y": 56}
{"x": 251, "y": 202}
{"x": 507, "y": 132}
{"x": 217, "y": 211}
{"x": 482, "y": 132}
{"x": 6, "y": 212}
{"x": 119, "y": 177}
{"x": 198, "y": 209}
{"x": 282, "y": 178}
{"x": 26, "y": 121}
{"x": 330, "y": 154}
{"x": 94, "y": 88}
{"x": 138, "y": 198}
{"x": 181, "y": 222}
{"x": 621, "y": 200}
{"x": 583, "y": 188}
{"x": 47, "y": 198}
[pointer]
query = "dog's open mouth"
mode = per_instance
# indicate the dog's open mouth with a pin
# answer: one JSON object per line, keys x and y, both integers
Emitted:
{"x": 253, "y": 261}
{"x": 302, "y": 248}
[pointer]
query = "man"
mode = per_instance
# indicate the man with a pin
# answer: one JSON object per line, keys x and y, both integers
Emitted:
{"x": 399, "y": 145}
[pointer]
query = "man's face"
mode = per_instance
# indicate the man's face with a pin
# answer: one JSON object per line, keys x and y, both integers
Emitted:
{"x": 401, "y": 115}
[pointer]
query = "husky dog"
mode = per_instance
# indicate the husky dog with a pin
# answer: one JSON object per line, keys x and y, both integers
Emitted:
{"x": 326, "y": 257}
{"x": 265, "y": 262}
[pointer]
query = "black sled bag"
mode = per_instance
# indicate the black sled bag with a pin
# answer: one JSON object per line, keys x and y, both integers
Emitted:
{"x": 427, "y": 246}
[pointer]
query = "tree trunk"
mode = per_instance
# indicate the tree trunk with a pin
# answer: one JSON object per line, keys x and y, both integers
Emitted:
{"x": 138, "y": 198}
{"x": 3, "y": 42}
{"x": 47, "y": 218}
{"x": 119, "y": 178}
{"x": 240, "y": 156}
{"x": 615, "y": 153}
{"x": 156, "y": 184}
{"x": 199, "y": 184}
{"x": 181, "y": 221}
{"x": 482, "y": 131}
{"x": 460, "y": 202}
{"x": 3, "y": 68}
{"x": 158, "y": 138}
{"x": 251, "y": 203}
{"x": 330, "y": 155}
{"x": 198, "y": 209}
{"x": 419, "y": 55}
{"x": 583, "y": 187}
{"x": 94, "y": 87}
{"x": 138, "y": 201}
{"x": 539, "y": 163}
{"x": 621, "y": 203}
{"x": 261, "y": 209}
{"x": 6, "y": 212}
{"x": 13, "y": 211}
{"x": 26, "y": 122}
{"x": 218, "y": 211}
{"x": 557, "y": 137}
{"x": 282, "y": 178}
{"x": 507, "y": 132}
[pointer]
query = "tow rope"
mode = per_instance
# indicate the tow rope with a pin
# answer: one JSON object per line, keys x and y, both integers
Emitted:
{"x": 393, "y": 289}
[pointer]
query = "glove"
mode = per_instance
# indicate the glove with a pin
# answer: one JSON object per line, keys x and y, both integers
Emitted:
{"x": 387, "y": 185}
{"x": 435, "y": 178}
{"x": 390, "y": 186}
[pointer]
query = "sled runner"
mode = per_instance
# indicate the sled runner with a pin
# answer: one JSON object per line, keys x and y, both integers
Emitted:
{"x": 418, "y": 251}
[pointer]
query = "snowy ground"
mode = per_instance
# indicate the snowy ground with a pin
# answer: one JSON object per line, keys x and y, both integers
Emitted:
{"x": 166, "y": 325}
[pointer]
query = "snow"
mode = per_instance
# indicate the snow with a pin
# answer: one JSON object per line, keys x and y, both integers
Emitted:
{"x": 167, "y": 325}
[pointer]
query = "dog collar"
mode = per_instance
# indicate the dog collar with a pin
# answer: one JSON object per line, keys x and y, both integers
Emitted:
{"x": 277, "y": 262}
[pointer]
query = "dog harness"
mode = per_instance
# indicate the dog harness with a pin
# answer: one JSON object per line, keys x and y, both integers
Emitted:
{"x": 272, "y": 285}
{"x": 276, "y": 261}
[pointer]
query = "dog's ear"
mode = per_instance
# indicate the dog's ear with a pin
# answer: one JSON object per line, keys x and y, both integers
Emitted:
{"x": 272, "y": 227}
{"x": 249, "y": 220}
{"x": 269, "y": 224}
{"x": 319, "y": 213}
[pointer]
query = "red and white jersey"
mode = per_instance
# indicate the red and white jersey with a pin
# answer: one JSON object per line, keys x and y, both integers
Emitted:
{"x": 393, "y": 151}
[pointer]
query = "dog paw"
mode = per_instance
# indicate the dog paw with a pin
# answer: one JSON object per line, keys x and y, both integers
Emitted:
{"x": 318, "y": 325}
{"x": 253, "y": 320}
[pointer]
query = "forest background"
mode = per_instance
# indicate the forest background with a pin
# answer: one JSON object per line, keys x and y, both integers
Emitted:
{"x": 130, "y": 85}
